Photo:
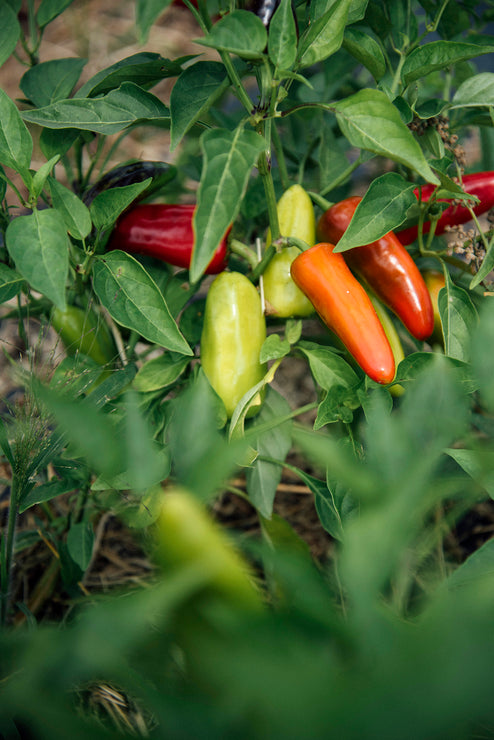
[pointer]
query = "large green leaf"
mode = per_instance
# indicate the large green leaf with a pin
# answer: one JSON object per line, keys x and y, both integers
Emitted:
{"x": 459, "y": 318}
{"x": 324, "y": 35}
{"x": 107, "y": 206}
{"x": 440, "y": 55}
{"x": 193, "y": 94}
{"x": 365, "y": 49}
{"x": 73, "y": 211}
{"x": 383, "y": 208}
{"x": 144, "y": 69}
{"x": 134, "y": 300}
{"x": 370, "y": 121}
{"x": 39, "y": 246}
{"x": 229, "y": 157}
{"x": 108, "y": 114}
{"x": 50, "y": 9}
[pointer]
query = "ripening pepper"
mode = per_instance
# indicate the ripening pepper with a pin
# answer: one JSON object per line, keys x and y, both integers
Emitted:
{"x": 480, "y": 184}
{"x": 82, "y": 331}
{"x": 186, "y": 537}
{"x": 393, "y": 338}
{"x": 163, "y": 231}
{"x": 386, "y": 266}
{"x": 296, "y": 218}
{"x": 344, "y": 306}
{"x": 233, "y": 332}
{"x": 435, "y": 281}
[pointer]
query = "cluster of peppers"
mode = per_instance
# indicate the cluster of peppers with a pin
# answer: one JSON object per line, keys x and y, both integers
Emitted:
{"x": 348, "y": 291}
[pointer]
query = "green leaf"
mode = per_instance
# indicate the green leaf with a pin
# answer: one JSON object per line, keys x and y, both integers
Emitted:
{"x": 229, "y": 157}
{"x": 370, "y": 121}
{"x": 80, "y": 543}
{"x": 48, "y": 82}
{"x": 107, "y": 206}
{"x": 459, "y": 318}
{"x": 366, "y": 50}
{"x": 10, "y": 283}
{"x": 478, "y": 566}
{"x": 134, "y": 300}
{"x": 16, "y": 144}
{"x": 328, "y": 368}
{"x": 144, "y": 69}
{"x": 57, "y": 141}
{"x": 46, "y": 492}
{"x": 40, "y": 177}
{"x": 263, "y": 476}
{"x": 73, "y": 211}
{"x": 147, "y": 12}
{"x": 323, "y": 36}
{"x": 159, "y": 372}
{"x": 240, "y": 32}
{"x": 383, "y": 208}
{"x": 482, "y": 339}
{"x": 197, "y": 88}
{"x": 438, "y": 55}
{"x": 476, "y": 91}
{"x": 50, "y": 9}
{"x": 108, "y": 114}
{"x": 335, "y": 505}
{"x": 10, "y": 32}
{"x": 39, "y": 246}
{"x": 282, "y": 39}
{"x": 273, "y": 348}
{"x": 414, "y": 364}
{"x": 478, "y": 464}
{"x": 338, "y": 404}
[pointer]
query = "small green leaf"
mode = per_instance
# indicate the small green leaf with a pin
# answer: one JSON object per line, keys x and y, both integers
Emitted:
{"x": 16, "y": 144}
{"x": 73, "y": 211}
{"x": 476, "y": 91}
{"x": 40, "y": 177}
{"x": 365, "y": 49}
{"x": 229, "y": 157}
{"x": 324, "y": 35}
{"x": 478, "y": 464}
{"x": 50, "y": 9}
{"x": 197, "y": 88}
{"x": 107, "y": 206}
{"x": 10, "y": 31}
{"x": 328, "y": 368}
{"x": 10, "y": 283}
{"x": 370, "y": 121}
{"x": 39, "y": 246}
{"x": 240, "y": 32}
{"x": 159, "y": 372}
{"x": 273, "y": 348}
{"x": 147, "y": 13}
{"x": 50, "y": 81}
{"x": 80, "y": 543}
{"x": 459, "y": 318}
{"x": 282, "y": 40}
{"x": 134, "y": 300}
{"x": 383, "y": 208}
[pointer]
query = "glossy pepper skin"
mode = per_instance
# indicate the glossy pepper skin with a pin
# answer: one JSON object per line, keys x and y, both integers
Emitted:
{"x": 233, "y": 332}
{"x": 163, "y": 231}
{"x": 386, "y": 266}
{"x": 480, "y": 184}
{"x": 346, "y": 309}
{"x": 82, "y": 331}
{"x": 131, "y": 173}
{"x": 435, "y": 281}
{"x": 296, "y": 218}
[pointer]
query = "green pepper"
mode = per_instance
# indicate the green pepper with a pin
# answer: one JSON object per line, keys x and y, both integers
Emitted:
{"x": 296, "y": 218}
{"x": 82, "y": 331}
{"x": 233, "y": 333}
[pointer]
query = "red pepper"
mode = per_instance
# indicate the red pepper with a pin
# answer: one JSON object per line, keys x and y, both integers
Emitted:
{"x": 346, "y": 309}
{"x": 387, "y": 267}
{"x": 163, "y": 231}
{"x": 480, "y": 184}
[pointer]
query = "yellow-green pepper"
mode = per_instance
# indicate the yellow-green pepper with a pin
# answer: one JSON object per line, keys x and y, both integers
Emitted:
{"x": 296, "y": 218}
{"x": 83, "y": 331}
{"x": 232, "y": 336}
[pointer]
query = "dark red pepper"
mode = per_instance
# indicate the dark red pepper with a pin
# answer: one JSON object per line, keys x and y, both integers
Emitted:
{"x": 386, "y": 266}
{"x": 480, "y": 184}
{"x": 163, "y": 231}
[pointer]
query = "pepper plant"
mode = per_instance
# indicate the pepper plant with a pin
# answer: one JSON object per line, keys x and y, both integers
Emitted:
{"x": 286, "y": 110}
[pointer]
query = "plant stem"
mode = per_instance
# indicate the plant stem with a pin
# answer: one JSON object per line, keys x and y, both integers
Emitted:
{"x": 7, "y": 550}
{"x": 280, "y": 157}
{"x": 244, "y": 251}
